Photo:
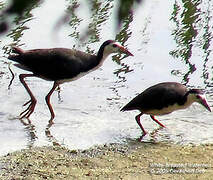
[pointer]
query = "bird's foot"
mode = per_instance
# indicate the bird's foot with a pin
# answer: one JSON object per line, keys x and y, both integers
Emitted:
{"x": 27, "y": 112}
{"x": 142, "y": 136}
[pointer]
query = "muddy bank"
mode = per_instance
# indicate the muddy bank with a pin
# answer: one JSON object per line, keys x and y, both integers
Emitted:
{"x": 147, "y": 161}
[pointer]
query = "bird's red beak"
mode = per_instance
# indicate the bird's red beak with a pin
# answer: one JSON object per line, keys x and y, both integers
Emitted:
{"x": 205, "y": 104}
{"x": 124, "y": 50}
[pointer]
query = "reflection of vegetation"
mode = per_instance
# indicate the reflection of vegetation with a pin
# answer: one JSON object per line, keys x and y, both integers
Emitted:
{"x": 18, "y": 7}
{"x": 206, "y": 38}
{"x": 186, "y": 32}
{"x": 17, "y": 32}
{"x": 75, "y": 21}
{"x": 20, "y": 22}
{"x": 192, "y": 31}
{"x": 100, "y": 13}
{"x": 3, "y": 26}
{"x": 122, "y": 37}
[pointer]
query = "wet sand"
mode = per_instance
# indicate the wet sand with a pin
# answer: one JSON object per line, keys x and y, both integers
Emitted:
{"x": 114, "y": 161}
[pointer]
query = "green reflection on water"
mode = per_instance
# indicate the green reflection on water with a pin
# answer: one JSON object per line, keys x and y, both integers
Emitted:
{"x": 185, "y": 32}
{"x": 192, "y": 32}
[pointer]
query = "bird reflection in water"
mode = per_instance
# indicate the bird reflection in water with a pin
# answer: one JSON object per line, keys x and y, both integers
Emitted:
{"x": 29, "y": 127}
{"x": 31, "y": 133}
{"x": 153, "y": 135}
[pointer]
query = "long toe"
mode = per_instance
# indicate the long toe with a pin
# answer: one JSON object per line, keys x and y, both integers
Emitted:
{"x": 30, "y": 109}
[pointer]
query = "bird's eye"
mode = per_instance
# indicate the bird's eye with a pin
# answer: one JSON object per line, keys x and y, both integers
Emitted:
{"x": 114, "y": 45}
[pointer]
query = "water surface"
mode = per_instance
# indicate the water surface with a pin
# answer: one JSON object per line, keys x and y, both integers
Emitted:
{"x": 170, "y": 40}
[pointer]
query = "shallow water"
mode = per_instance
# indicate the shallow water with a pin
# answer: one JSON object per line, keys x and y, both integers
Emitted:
{"x": 170, "y": 40}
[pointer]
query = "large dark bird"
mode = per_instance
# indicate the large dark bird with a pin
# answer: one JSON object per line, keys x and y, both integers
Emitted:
{"x": 164, "y": 98}
{"x": 59, "y": 65}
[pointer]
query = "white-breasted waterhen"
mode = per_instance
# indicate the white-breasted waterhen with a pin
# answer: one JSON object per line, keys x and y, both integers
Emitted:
{"x": 164, "y": 98}
{"x": 59, "y": 65}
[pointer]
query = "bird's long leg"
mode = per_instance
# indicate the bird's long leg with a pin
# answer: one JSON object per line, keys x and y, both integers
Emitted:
{"x": 137, "y": 118}
{"x": 47, "y": 98}
{"x": 26, "y": 113}
{"x": 157, "y": 121}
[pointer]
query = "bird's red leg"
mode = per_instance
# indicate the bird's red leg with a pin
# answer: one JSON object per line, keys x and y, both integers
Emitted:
{"x": 26, "y": 113}
{"x": 137, "y": 118}
{"x": 157, "y": 121}
{"x": 47, "y": 98}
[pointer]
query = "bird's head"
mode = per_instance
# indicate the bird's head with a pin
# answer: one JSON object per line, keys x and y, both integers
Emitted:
{"x": 197, "y": 95}
{"x": 110, "y": 46}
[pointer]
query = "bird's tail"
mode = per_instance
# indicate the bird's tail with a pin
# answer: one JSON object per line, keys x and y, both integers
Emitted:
{"x": 125, "y": 108}
{"x": 17, "y": 50}
{"x": 129, "y": 107}
{"x": 15, "y": 57}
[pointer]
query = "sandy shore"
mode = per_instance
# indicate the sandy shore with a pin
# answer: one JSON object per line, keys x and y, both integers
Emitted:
{"x": 146, "y": 161}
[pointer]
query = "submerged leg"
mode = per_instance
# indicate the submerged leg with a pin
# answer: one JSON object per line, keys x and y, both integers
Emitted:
{"x": 59, "y": 94}
{"x": 13, "y": 76}
{"x": 26, "y": 113}
{"x": 157, "y": 121}
{"x": 137, "y": 118}
{"x": 47, "y": 98}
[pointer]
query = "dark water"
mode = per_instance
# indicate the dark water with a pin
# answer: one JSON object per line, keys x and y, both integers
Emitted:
{"x": 170, "y": 40}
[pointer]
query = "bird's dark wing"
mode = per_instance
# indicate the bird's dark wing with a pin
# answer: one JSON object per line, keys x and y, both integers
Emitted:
{"x": 53, "y": 64}
{"x": 157, "y": 97}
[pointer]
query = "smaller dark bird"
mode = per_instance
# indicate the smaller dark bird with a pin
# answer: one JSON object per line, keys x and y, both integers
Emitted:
{"x": 59, "y": 65}
{"x": 164, "y": 98}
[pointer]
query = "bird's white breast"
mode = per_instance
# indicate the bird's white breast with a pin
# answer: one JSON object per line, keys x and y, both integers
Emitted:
{"x": 167, "y": 110}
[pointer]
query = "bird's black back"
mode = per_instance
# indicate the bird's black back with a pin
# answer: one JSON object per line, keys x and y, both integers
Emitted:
{"x": 157, "y": 97}
{"x": 57, "y": 63}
